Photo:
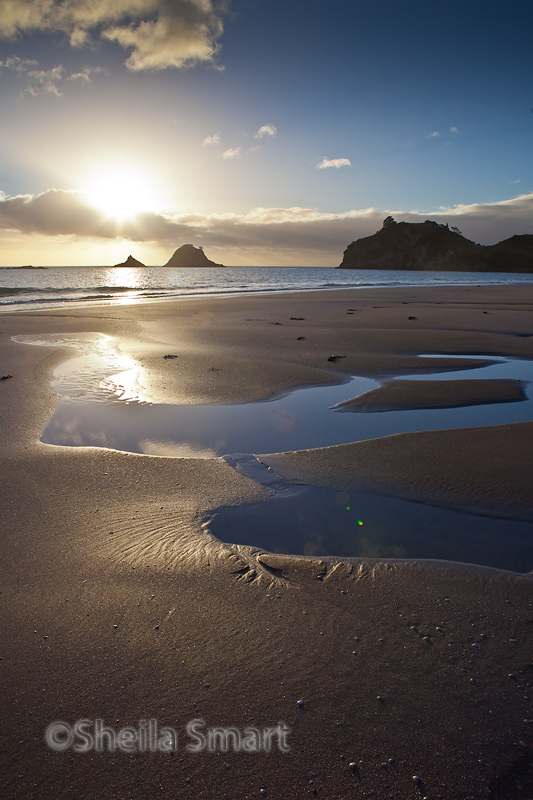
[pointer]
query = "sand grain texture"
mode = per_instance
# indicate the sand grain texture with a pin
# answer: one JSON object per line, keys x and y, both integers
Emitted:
{"x": 117, "y": 603}
{"x": 406, "y": 395}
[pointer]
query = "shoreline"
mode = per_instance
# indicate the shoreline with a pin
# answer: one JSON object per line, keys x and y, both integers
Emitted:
{"x": 87, "y": 302}
{"x": 118, "y": 603}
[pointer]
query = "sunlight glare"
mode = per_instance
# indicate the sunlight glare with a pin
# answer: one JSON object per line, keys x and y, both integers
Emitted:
{"x": 122, "y": 191}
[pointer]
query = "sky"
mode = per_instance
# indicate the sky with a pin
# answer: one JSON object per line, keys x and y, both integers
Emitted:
{"x": 270, "y": 132}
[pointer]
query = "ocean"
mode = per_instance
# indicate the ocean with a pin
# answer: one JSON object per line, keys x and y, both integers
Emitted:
{"x": 56, "y": 287}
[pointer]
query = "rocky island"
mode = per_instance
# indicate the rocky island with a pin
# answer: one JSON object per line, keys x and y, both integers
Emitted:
{"x": 430, "y": 245}
{"x": 130, "y": 262}
{"x": 190, "y": 256}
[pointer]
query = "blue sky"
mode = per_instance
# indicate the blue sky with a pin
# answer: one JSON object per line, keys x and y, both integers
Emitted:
{"x": 269, "y": 132}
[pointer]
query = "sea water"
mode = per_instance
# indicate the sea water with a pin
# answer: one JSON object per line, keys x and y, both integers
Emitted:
{"x": 55, "y": 287}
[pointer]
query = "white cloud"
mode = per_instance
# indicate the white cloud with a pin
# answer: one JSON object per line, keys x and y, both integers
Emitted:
{"x": 518, "y": 181}
{"x": 214, "y": 139}
{"x": 158, "y": 33}
{"x": 265, "y": 130}
{"x": 334, "y": 162}
{"x": 433, "y": 135}
{"x": 232, "y": 152}
{"x": 453, "y": 130}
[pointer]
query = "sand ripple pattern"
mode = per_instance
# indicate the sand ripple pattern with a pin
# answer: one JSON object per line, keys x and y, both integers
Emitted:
{"x": 181, "y": 540}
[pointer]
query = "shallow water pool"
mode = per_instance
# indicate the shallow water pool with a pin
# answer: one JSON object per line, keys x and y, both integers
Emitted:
{"x": 101, "y": 405}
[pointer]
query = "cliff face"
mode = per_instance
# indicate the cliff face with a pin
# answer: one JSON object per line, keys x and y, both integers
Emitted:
{"x": 430, "y": 246}
{"x": 189, "y": 256}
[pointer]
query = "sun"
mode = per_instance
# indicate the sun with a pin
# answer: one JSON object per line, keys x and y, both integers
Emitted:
{"x": 122, "y": 191}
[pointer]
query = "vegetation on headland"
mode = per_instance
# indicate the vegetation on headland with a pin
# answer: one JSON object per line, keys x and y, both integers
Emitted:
{"x": 432, "y": 246}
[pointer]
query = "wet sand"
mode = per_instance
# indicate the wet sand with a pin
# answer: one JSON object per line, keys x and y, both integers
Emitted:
{"x": 407, "y": 395}
{"x": 485, "y": 470}
{"x": 118, "y": 604}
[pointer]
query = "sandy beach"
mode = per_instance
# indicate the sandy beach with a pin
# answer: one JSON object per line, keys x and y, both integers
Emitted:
{"x": 397, "y": 679}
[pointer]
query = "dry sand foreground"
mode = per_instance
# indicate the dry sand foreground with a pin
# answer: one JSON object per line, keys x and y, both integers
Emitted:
{"x": 117, "y": 604}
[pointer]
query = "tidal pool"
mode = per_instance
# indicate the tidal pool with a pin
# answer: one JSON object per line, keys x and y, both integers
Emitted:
{"x": 102, "y": 405}
{"x": 321, "y": 522}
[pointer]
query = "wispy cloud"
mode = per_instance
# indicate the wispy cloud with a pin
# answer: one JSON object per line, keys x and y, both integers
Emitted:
{"x": 433, "y": 135}
{"x": 454, "y": 130}
{"x": 18, "y": 64}
{"x": 334, "y": 162}
{"x": 232, "y": 152}
{"x": 265, "y": 130}
{"x": 209, "y": 140}
{"x": 84, "y": 74}
{"x": 238, "y": 152}
{"x": 518, "y": 181}
{"x": 157, "y": 33}
{"x": 44, "y": 81}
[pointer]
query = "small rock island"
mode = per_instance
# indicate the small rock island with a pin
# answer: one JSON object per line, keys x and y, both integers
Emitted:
{"x": 430, "y": 245}
{"x": 130, "y": 262}
{"x": 190, "y": 256}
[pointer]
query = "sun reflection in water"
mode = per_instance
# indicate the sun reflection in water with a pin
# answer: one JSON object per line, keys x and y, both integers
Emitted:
{"x": 100, "y": 373}
{"x": 174, "y": 450}
{"x": 124, "y": 276}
